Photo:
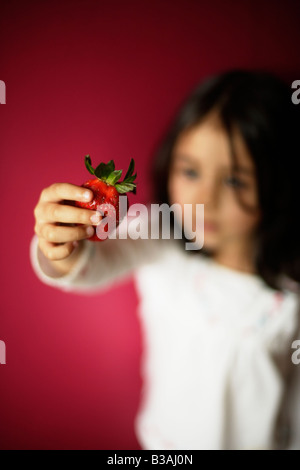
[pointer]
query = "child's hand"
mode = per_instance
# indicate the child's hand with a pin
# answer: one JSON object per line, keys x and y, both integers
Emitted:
{"x": 56, "y": 240}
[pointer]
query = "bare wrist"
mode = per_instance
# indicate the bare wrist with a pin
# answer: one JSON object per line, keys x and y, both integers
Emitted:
{"x": 59, "y": 268}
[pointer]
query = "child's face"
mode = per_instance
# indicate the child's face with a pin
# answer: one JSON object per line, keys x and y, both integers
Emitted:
{"x": 200, "y": 174}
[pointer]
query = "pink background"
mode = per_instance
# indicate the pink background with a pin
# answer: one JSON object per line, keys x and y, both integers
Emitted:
{"x": 102, "y": 78}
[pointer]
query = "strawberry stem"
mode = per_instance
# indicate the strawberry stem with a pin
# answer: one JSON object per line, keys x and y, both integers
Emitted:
{"x": 106, "y": 172}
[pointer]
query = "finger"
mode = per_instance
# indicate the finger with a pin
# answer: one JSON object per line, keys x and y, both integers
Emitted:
{"x": 52, "y": 212}
{"x": 68, "y": 191}
{"x": 55, "y": 252}
{"x": 62, "y": 234}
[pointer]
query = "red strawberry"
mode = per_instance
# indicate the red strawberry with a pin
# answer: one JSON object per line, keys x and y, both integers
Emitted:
{"x": 107, "y": 190}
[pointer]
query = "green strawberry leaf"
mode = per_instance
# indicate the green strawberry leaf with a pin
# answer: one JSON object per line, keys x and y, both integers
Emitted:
{"x": 88, "y": 164}
{"x": 130, "y": 169}
{"x": 114, "y": 177}
{"x": 104, "y": 170}
{"x": 110, "y": 166}
{"x": 101, "y": 172}
{"x": 124, "y": 187}
{"x": 130, "y": 179}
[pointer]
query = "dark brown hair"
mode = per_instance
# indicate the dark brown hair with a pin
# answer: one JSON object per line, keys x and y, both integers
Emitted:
{"x": 259, "y": 104}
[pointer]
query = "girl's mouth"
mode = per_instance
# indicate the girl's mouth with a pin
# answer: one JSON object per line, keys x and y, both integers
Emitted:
{"x": 210, "y": 226}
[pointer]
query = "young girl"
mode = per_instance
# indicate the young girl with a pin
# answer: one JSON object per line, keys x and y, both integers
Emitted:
{"x": 218, "y": 322}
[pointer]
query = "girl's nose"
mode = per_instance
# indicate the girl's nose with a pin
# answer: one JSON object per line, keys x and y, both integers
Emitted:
{"x": 208, "y": 193}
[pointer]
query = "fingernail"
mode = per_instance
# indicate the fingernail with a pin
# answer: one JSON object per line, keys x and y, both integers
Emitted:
{"x": 75, "y": 243}
{"x": 87, "y": 195}
{"x": 95, "y": 218}
{"x": 89, "y": 231}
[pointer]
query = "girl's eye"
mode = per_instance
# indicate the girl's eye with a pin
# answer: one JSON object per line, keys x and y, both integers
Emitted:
{"x": 235, "y": 182}
{"x": 190, "y": 173}
{"x": 231, "y": 181}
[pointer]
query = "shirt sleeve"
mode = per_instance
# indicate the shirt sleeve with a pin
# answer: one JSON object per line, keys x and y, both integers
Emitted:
{"x": 100, "y": 263}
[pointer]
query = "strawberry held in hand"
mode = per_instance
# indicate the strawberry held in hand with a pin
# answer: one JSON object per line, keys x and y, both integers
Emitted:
{"x": 107, "y": 189}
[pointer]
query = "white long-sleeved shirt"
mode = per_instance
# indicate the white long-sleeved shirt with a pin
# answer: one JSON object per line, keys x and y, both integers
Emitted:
{"x": 217, "y": 366}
